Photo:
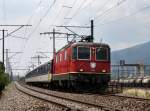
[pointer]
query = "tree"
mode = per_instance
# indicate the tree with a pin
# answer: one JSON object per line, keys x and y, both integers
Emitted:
{"x": 4, "y": 78}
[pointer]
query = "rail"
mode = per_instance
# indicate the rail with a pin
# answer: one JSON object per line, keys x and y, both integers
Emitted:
{"x": 91, "y": 105}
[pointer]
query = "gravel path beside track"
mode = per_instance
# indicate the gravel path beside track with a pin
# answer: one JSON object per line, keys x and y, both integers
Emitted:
{"x": 14, "y": 100}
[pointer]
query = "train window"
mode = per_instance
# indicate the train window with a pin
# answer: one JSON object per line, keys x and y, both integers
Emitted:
{"x": 40, "y": 70}
{"x": 45, "y": 68}
{"x": 56, "y": 58}
{"x": 65, "y": 56}
{"x": 74, "y": 53}
{"x": 60, "y": 57}
{"x": 101, "y": 54}
{"x": 49, "y": 66}
{"x": 83, "y": 53}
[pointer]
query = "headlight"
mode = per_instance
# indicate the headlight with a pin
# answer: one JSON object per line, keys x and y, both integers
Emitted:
{"x": 103, "y": 70}
{"x": 81, "y": 70}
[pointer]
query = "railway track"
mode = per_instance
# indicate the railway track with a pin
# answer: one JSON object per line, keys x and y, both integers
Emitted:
{"x": 103, "y": 102}
{"x": 66, "y": 103}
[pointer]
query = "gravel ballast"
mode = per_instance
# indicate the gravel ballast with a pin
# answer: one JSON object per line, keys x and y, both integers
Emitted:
{"x": 122, "y": 103}
{"x": 14, "y": 100}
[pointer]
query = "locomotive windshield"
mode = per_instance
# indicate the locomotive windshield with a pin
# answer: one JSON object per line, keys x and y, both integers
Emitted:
{"x": 101, "y": 54}
{"x": 83, "y": 53}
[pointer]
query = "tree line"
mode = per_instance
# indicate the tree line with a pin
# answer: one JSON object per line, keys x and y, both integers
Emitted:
{"x": 4, "y": 78}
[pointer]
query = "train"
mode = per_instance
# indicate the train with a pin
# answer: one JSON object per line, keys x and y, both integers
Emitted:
{"x": 134, "y": 81}
{"x": 76, "y": 65}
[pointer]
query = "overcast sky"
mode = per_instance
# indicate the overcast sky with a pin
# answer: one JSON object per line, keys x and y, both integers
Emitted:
{"x": 119, "y": 23}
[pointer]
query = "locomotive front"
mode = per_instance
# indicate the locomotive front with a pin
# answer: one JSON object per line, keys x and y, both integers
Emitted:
{"x": 90, "y": 64}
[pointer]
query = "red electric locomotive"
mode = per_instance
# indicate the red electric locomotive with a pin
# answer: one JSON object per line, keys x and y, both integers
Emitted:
{"x": 82, "y": 64}
{"x": 79, "y": 64}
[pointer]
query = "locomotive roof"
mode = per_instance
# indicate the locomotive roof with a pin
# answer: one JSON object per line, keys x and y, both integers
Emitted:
{"x": 83, "y": 44}
{"x": 90, "y": 44}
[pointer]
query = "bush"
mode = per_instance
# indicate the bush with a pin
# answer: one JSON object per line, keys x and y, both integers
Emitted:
{"x": 4, "y": 78}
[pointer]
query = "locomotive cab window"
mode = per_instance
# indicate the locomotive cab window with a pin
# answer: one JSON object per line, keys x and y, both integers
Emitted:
{"x": 84, "y": 53}
{"x": 74, "y": 53}
{"x": 101, "y": 54}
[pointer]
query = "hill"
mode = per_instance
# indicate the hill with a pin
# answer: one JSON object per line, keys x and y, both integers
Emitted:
{"x": 138, "y": 53}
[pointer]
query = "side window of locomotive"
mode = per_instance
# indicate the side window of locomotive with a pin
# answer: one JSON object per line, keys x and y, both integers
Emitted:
{"x": 60, "y": 56}
{"x": 74, "y": 53}
{"x": 101, "y": 54}
{"x": 83, "y": 53}
{"x": 65, "y": 55}
{"x": 56, "y": 58}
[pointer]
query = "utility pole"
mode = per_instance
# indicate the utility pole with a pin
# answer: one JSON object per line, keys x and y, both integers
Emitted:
{"x": 38, "y": 57}
{"x": 54, "y": 37}
{"x": 89, "y": 38}
{"x": 3, "y": 44}
{"x": 3, "y": 38}
{"x": 8, "y": 65}
{"x": 44, "y": 53}
{"x": 92, "y": 31}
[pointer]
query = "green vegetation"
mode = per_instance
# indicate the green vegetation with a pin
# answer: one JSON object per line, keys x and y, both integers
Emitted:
{"x": 4, "y": 78}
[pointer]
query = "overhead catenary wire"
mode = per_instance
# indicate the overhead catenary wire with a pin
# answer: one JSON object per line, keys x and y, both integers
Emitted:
{"x": 4, "y": 12}
{"x": 73, "y": 4}
{"x": 12, "y": 32}
{"x": 130, "y": 15}
{"x": 19, "y": 37}
{"x": 113, "y": 21}
{"x": 108, "y": 10}
{"x": 39, "y": 22}
{"x": 77, "y": 10}
{"x": 41, "y": 19}
{"x": 61, "y": 10}
{"x": 28, "y": 21}
{"x": 57, "y": 16}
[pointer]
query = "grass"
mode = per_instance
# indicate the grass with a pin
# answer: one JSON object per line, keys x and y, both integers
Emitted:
{"x": 143, "y": 93}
